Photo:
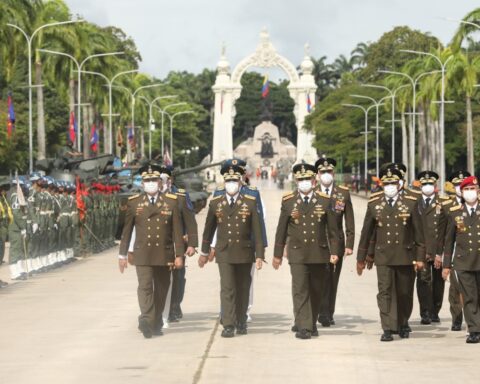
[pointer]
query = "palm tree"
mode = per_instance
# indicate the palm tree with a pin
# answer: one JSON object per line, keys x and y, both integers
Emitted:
{"x": 464, "y": 30}
{"x": 359, "y": 55}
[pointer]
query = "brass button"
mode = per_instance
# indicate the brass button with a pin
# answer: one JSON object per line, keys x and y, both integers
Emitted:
{"x": 229, "y": 232}
{"x": 156, "y": 244}
{"x": 158, "y": 236}
{"x": 230, "y": 240}
{"x": 388, "y": 242}
{"x": 238, "y": 241}
{"x": 158, "y": 219}
{"x": 149, "y": 228}
{"x": 305, "y": 240}
{"x": 149, "y": 244}
{"x": 149, "y": 219}
{"x": 158, "y": 227}
{"x": 228, "y": 224}
{"x": 148, "y": 236}
{"x": 304, "y": 231}
{"x": 388, "y": 233}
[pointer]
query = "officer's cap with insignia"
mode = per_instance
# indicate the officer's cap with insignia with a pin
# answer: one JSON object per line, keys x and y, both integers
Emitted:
{"x": 390, "y": 175}
{"x": 325, "y": 164}
{"x": 457, "y": 177}
{"x": 150, "y": 171}
{"x": 304, "y": 171}
{"x": 398, "y": 166}
{"x": 428, "y": 177}
{"x": 469, "y": 181}
{"x": 232, "y": 171}
{"x": 235, "y": 161}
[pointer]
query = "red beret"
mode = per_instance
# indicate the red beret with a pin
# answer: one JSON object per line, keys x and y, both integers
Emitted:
{"x": 469, "y": 181}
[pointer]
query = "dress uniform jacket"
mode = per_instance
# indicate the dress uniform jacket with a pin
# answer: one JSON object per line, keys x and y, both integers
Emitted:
{"x": 434, "y": 223}
{"x": 396, "y": 232}
{"x": 306, "y": 226}
{"x": 235, "y": 227}
{"x": 190, "y": 228}
{"x": 158, "y": 230}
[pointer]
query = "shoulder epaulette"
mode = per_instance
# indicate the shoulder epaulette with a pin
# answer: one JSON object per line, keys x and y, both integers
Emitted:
{"x": 171, "y": 196}
{"x": 319, "y": 193}
{"x": 446, "y": 202}
{"x": 288, "y": 196}
{"x": 444, "y": 198}
{"x": 456, "y": 208}
{"x": 344, "y": 187}
{"x": 413, "y": 198}
{"x": 251, "y": 187}
{"x": 372, "y": 199}
{"x": 134, "y": 196}
{"x": 181, "y": 190}
{"x": 220, "y": 189}
{"x": 250, "y": 197}
{"x": 217, "y": 197}
{"x": 376, "y": 194}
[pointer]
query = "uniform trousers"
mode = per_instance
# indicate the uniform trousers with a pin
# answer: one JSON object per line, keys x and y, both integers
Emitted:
{"x": 469, "y": 282}
{"x": 455, "y": 299}
{"x": 430, "y": 290}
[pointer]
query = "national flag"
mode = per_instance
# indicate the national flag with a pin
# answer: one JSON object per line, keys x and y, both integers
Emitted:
{"x": 20, "y": 197}
{"x": 119, "y": 137}
{"x": 11, "y": 117}
{"x": 80, "y": 203}
{"x": 265, "y": 87}
{"x": 131, "y": 138}
{"x": 94, "y": 139}
{"x": 72, "y": 128}
{"x": 167, "y": 161}
{"x": 309, "y": 103}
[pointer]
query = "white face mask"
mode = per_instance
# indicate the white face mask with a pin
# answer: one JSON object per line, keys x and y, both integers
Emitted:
{"x": 458, "y": 191}
{"x": 326, "y": 178}
{"x": 231, "y": 187}
{"x": 305, "y": 186}
{"x": 150, "y": 187}
{"x": 390, "y": 190}
{"x": 428, "y": 189}
{"x": 470, "y": 196}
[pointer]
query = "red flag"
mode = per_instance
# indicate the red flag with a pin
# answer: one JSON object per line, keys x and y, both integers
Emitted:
{"x": 80, "y": 203}
{"x": 72, "y": 128}
{"x": 94, "y": 139}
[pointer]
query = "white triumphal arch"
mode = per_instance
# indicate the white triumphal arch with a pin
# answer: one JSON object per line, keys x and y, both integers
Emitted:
{"x": 227, "y": 90}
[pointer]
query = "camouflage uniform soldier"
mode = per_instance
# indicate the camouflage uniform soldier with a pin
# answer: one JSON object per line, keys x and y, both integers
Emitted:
{"x": 17, "y": 234}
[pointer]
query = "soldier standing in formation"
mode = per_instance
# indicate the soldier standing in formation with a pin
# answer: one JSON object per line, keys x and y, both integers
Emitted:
{"x": 395, "y": 225}
{"x": 341, "y": 204}
{"x": 305, "y": 219}
{"x": 462, "y": 253}
{"x": 6, "y": 218}
{"x": 235, "y": 219}
{"x": 158, "y": 247}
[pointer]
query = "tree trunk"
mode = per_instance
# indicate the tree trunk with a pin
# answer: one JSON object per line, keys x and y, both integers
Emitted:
{"x": 422, "y": 139}
{"x": 41, "y": 143}
{"x": 470, "y": 154}
{"x": 404, "y": 139}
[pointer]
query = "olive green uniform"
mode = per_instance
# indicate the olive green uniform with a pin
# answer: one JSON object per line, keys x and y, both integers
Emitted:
{"x": 6, "y": 217}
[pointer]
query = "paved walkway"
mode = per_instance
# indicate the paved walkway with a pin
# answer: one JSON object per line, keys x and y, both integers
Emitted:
{"x": 79, "y": 325}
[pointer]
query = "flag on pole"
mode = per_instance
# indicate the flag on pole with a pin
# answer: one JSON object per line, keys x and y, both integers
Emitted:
{"x": 167, "y": 161}
{"x": 131, "y": 138}
{"x": 80, "y": 203}
{"x": 309, "y": 103}
{"x": 72, "y": 128}
{"x": 119, "y": 137}
{"x": 11, "y": 117}
{"x": 20, "y": 197}
{"x": 265, "y": 87}
{"x": 94, "y": 139}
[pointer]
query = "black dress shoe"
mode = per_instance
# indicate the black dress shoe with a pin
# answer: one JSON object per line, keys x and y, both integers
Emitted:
{"x": 294, "y": 328}
{"x": 435, "y": 319}
{"x": 426, "y": 320}
{"x": 407, "y": 328}
{"x": 387, "y": 336}
{"x": 456, "y": 327}
{"x": 332, "y": 322}
{"x": 315, "y": 332}
{"x": 404, "y": 334}
{"x": 145, "y": 328}
{"x": 242, "y": 329}
{"x": 303, "y": 334}
{"x": 228, "y": 332}
{"x": 473, "y": 338}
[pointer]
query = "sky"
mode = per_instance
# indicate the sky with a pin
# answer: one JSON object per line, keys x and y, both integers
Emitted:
{"x": 177, "y": 35}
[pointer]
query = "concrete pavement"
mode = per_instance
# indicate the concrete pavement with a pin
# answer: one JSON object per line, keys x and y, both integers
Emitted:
{"x": 78, "y": 324}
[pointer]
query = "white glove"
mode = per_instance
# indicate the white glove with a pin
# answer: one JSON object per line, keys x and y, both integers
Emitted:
{"x": 55, "y": 226}
{"x": 23, "y": 232}
{"x": 34, "y": 227}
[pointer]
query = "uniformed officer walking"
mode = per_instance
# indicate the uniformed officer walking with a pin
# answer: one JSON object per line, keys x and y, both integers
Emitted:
{"x": 158, "y": 247}
{"x": 305, "y": 218}
{"x": 462, "y": 252}
{"x": 341, "y": 204}
{"x": 399, "y": 250}
{"x": 235, "y": 219}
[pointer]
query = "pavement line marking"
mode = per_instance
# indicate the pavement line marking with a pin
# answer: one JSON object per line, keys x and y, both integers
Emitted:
{"x": 198, "y": 373}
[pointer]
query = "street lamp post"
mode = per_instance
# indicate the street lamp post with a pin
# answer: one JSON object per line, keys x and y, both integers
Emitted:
{"x": 377, "y": 104}
{"x": 151, "y": 121}
{"x": 365, "y": 132}
{"x": 82, "y": 132}
{"x": 443, "y": 65}
{"x": 30, "y": 86}
{"x": 172, "y": 117}
{"x": 110, "y": 85}
{"x": 393, "y": 94}
{"x": 164, "y": 111}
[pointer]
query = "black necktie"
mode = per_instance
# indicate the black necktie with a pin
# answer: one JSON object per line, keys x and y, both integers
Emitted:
{"x": 390, "y": 202}
{"x": 232, "y": 202}
{"x": 152, "y": 200}
{"x": 427, "y": 201}
{"x": 305, "y": 199}
{"x": 472, "y": 211}
{"x": 327, "y": 191}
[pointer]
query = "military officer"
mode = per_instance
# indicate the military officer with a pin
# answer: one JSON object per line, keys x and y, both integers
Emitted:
{"x": 399, "y": 250}
{"x": 305, "y": 218}
{"x": 190, "y": 235}
{"x": 235, "y": 219}
{"x": 454, "y": 295}
{"x": 462, "y": 252}
{"x": 430, "y": 284}
{"x": 341, "y": 204}
{"x": 158, "y": 247}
